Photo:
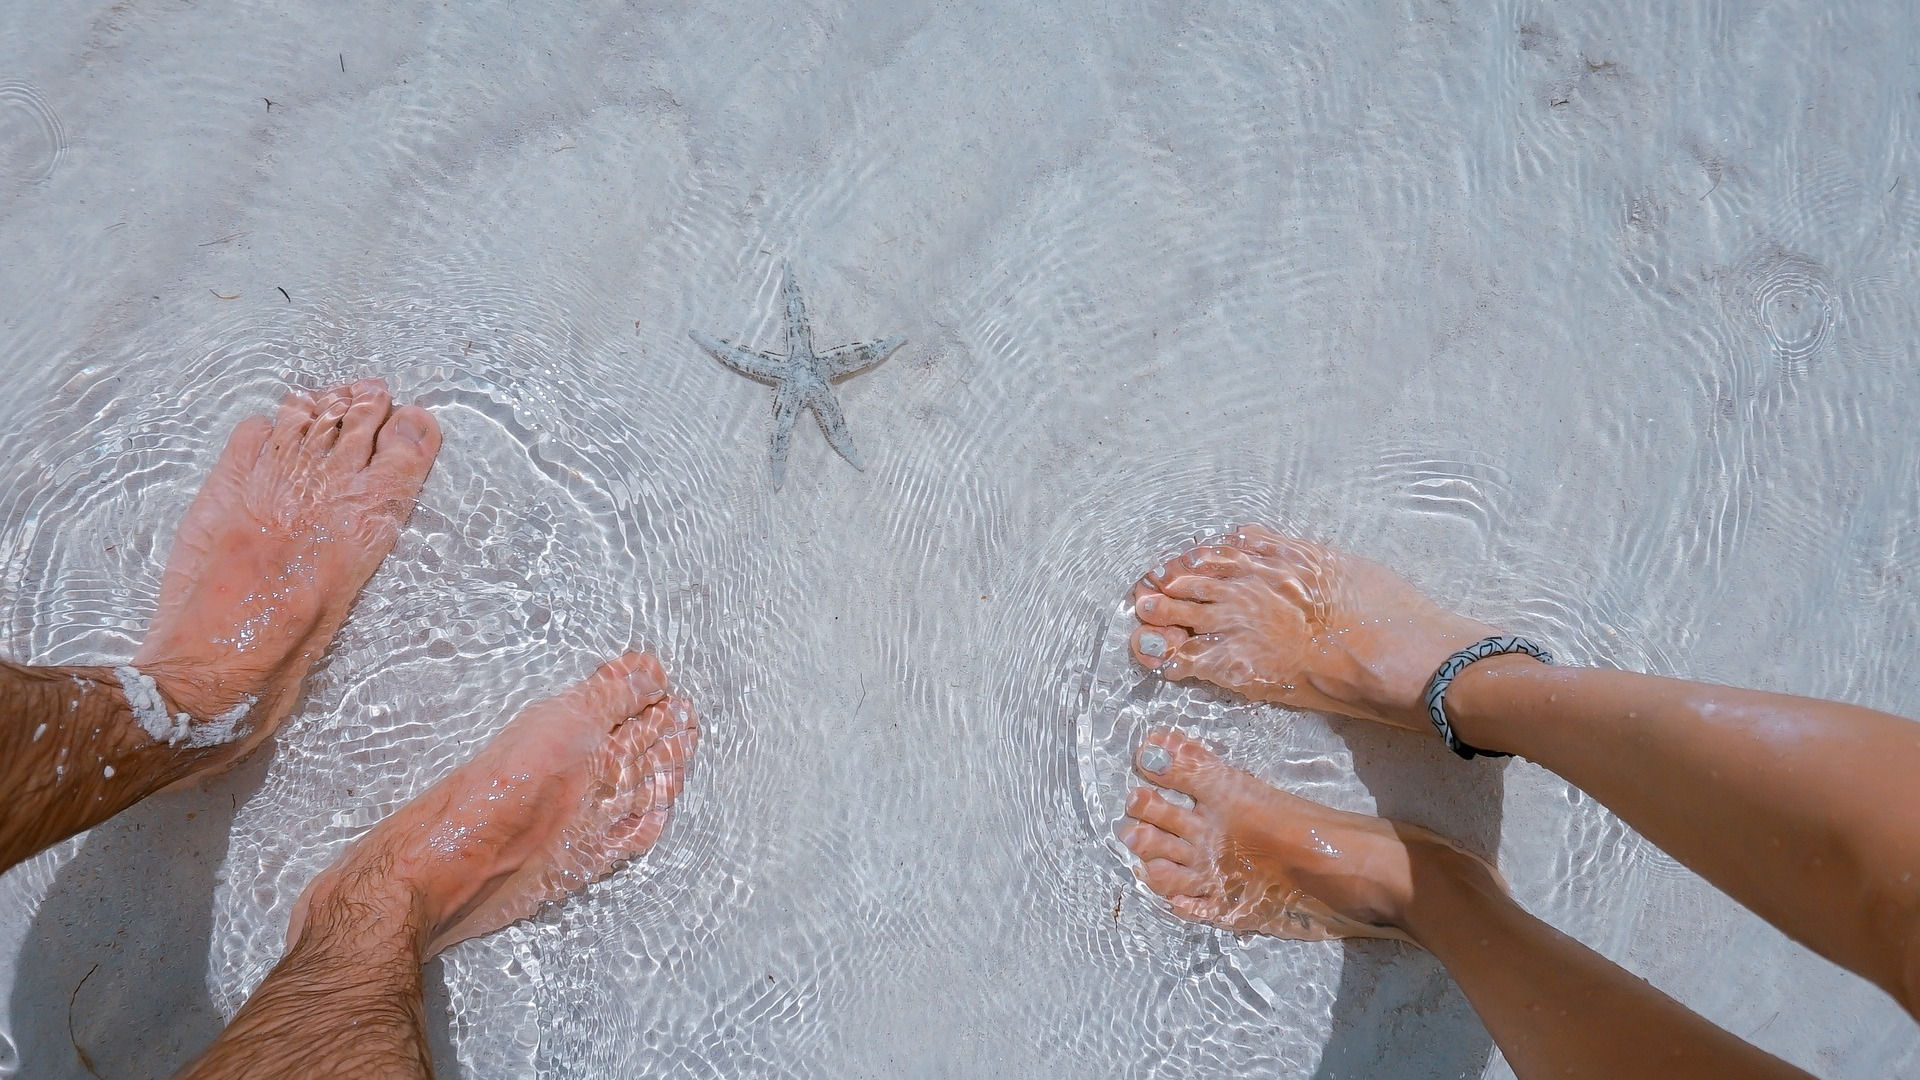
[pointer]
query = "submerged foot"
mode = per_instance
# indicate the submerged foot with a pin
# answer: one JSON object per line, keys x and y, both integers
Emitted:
{"x": 571, "y": 788}
{"x": 293, "y": 520}
{"x": 1251, "y": 858}
{"x": 1294, "y": 622}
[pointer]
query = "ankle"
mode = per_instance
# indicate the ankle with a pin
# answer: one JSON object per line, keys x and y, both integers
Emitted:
{"x": 189, "y": 686}
{"x": 1474, "y": 704}
{"x": 178, "y": 706}
{"x": 359, "y": 906}
{"x": 1445, "y": 881}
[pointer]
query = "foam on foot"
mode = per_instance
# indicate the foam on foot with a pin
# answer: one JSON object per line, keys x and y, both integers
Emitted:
{"x": 295, "y": 517}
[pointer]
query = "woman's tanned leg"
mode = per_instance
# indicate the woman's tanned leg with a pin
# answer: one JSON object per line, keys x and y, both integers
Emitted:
{"x": 1803, "y": 810}
{"x": 1251, "y": 858}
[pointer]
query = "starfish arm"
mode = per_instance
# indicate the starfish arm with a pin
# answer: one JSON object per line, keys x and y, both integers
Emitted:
{"x": 799, "y": 332}
{"x": 786, "y": 408}
{"x": 856, "y": 358}
{"x": 749, "y": 362}
{"x": 833, "y": 424}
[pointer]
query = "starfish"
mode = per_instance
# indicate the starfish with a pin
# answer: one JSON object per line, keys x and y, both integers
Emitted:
{"x": 802, "y": 378}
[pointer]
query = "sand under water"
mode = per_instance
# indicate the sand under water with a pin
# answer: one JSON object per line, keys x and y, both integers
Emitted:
{"x": 1594, "y": 319}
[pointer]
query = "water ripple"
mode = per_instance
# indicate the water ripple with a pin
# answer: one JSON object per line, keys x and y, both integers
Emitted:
{"x": 32, "y": 138}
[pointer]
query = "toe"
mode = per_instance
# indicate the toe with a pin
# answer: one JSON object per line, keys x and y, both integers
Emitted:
{"x": 1257, "y": 538}
{"x": 1194, "y": 908}
{"x": 1170, "y": 878}
{"x": 244, "y": 445}
{"x": 635, "y": 834}
{"x": 1273, "y": 544}
{"x": 1148, "y": 805}
{"x": 1214, "y": 560}
{"x": 684, "y": 739}
{"x": 290, "y": 425}
{"x": 1195, "y": 656}
{"x": 665, "y": 786}
{"x": 1151, "y": 842}
{"x": 324, "y": 431}
{"x": 366, "y": 412}
{"x": 1152, "y": 645}
{"x": 1180, "y": 763}
{"x": 1283, "y": 558}
{"x": 403, "y": 451}
{"x": 1199, "y": 587}
{"x": 1156, "y": 577}
{"x": 1161, "y": 610}
{"x": 627, "y": 684}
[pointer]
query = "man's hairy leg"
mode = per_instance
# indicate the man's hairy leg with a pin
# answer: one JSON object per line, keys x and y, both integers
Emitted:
{"x": 346, "y": 1000}
{"x": 574, "y": 786}
{"x": 293, "y": 520}
{"x": 72, "y": 754}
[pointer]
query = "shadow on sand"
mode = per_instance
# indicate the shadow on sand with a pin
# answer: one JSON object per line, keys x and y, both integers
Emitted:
{"x": 112, "y": 978}
{"x": 1396, "y": 1012}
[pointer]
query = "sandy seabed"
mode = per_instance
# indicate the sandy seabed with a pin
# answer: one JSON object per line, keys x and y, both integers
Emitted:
{"x": 1595, "y": 319}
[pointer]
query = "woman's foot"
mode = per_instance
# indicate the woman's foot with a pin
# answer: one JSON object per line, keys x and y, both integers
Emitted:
{"x": 1251, "y": 858}
{"x": 293, "y": 520}
{"x": 571, "y": 788}
{"x": 1293, "y": 622}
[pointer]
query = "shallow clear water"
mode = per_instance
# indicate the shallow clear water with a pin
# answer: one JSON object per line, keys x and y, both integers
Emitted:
{"x": 1593, "y": 319}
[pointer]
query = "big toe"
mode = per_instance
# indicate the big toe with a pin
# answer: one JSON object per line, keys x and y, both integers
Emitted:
{"x": 653, "y": 752}
{"x": 1180, "y": 763}
{"x": 1153, "y": 646}
{"x": 627, "y": 684}
{"x": 403, "y": 451}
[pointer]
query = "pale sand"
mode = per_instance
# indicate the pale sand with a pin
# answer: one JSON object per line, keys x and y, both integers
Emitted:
{"x": 1597, "y": 320}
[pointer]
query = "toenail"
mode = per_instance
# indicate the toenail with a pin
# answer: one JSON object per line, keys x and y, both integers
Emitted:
{"x": 366, "y": 387}
{"x": 1155, "y": 759}
{"x": 410, "y": 427}
{"x": 1152, "y": 644}
{"x": 1147, "y": 603}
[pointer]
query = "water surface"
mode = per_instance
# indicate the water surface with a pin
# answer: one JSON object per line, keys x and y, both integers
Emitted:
{"x": 1594, "y": 319}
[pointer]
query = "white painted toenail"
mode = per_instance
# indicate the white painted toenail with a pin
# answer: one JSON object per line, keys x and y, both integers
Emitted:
{"x": 1152, "y": 644}
{"x": 1146, "y": 603}
{"x": 1155, "y": 759}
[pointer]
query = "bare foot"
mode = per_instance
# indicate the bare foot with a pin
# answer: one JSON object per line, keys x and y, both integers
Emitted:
{"x": 571, "y": 788}
{"x": 295, "y": 517}
{"x": 1251, "y": 858}
{"x": 1293, "y": 622}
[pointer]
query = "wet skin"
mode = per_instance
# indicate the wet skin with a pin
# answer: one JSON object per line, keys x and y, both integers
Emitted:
{"x": 571, "y": 788}
{"x": 295, "y": 517}
{"x": 1801, "y": 809}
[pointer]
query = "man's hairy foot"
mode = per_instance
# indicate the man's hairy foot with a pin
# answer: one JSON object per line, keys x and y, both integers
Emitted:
{"x": 1251, "y": 858}
{"x": 1296, "y": 623}
{"x": 571, "y": 788}
{"x": 294, "y": 519}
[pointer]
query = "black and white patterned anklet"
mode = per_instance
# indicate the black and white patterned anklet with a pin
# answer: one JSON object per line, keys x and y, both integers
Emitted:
{"x": 1442, "y": 678}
